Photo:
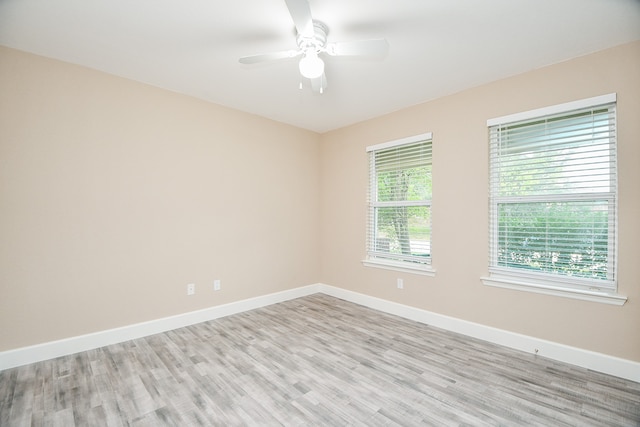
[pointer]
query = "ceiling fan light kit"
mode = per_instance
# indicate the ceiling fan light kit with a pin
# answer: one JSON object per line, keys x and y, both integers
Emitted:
{"x": 312, "y": 41}
{"x": 311, "y": 66}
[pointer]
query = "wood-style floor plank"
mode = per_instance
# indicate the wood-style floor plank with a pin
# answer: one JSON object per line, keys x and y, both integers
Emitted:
{"x": 315, "y": 360}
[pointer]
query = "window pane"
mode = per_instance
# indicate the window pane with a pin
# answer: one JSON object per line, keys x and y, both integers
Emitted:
{"x": 571, "y": 154}
{"x": 569, "y": 238}
{"x": 404, "y": 184}
{"x": 403, "y": 230}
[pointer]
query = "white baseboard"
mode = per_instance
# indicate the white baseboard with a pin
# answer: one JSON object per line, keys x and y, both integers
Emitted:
{"x": 53, "y": 349}
{"x": 600, "y": 362}
{"x": 587, "y": 359}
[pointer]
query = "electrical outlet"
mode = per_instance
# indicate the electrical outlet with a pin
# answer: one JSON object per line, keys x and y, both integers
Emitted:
{"x": 191, "y": 288}
{"x": 400, "y": 284}
{"x": 216, "y": 285}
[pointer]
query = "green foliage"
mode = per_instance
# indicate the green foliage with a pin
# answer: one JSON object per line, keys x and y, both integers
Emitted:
{"x": 569, "y": 238}
{"x": 398, "y": 226}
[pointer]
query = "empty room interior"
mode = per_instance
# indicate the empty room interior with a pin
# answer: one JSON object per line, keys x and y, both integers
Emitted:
{"x": 440, "y": 226}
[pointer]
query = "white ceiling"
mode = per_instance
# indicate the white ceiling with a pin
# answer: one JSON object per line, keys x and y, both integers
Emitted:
{"x": 437, "y": 47}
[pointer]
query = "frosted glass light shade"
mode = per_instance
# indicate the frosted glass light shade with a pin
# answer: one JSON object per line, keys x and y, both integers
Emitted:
{"x": 311, "y": 66}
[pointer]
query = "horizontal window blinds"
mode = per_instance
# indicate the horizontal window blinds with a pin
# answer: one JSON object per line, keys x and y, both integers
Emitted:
{"x": 556, "y": 155}
{"x": 399, "y": 223}
{"x": 553, "y": 195}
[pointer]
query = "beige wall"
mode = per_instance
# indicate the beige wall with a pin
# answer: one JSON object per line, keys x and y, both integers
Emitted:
{"x": 114, "y": 195}
{"x": 460, "y": 206}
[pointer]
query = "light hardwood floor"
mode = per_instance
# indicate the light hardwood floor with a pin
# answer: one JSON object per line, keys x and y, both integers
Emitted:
{"x": 315, "y": 360}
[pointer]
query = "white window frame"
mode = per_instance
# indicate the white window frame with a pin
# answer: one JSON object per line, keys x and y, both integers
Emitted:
{"x": 391, "y": 264}
{"x": 564, "y": 286}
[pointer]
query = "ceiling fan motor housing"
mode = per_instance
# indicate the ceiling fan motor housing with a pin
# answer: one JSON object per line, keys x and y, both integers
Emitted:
{"x": 317, "y": 41}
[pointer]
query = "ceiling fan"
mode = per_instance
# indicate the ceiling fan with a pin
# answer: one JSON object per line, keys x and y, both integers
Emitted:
{"x": 312, "y": 42}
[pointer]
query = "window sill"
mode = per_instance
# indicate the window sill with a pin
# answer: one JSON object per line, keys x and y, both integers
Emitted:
{"x": 520, "y": 284}
{"x": 424, "y": 270}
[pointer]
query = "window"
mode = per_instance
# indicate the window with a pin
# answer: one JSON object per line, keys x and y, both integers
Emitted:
{"x": 553, "y": 198}
{"x": 399, "y": 219}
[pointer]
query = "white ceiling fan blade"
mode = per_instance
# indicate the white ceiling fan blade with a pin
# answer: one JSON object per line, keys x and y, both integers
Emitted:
{"x": 253, "y": 59}
{"x": 373, "y": 47}
{"x": 301, "y": 14}
{"x": 319, "y": 84}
